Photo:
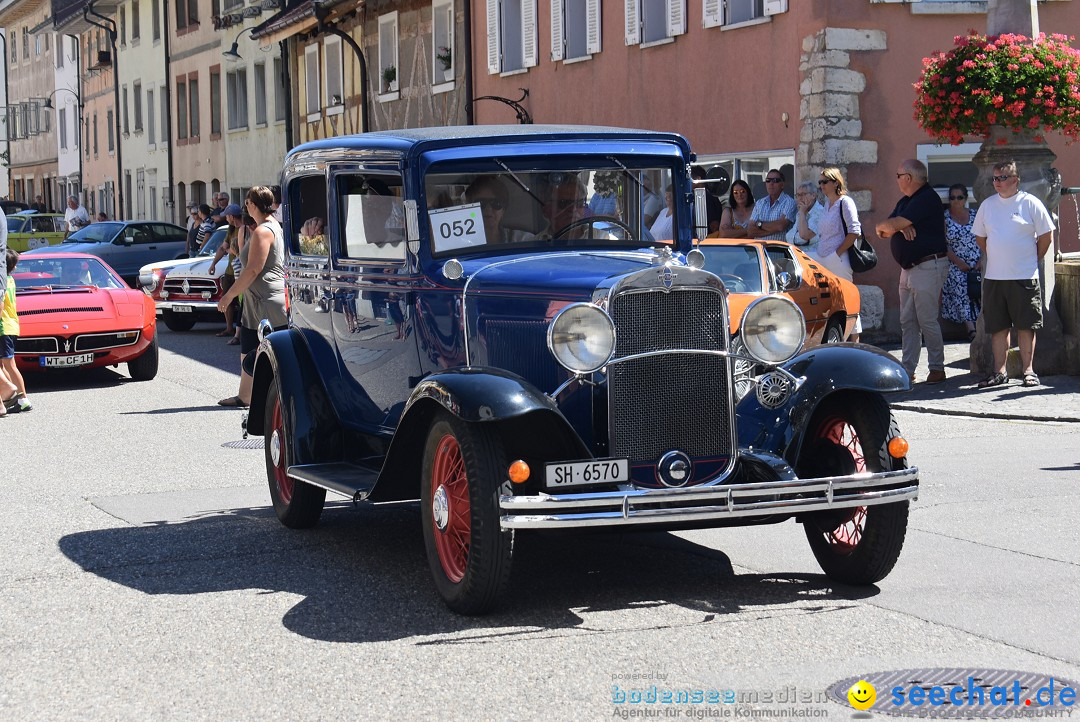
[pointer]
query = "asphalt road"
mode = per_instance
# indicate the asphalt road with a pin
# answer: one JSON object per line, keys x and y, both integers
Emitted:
{"x": 145, "y": 576}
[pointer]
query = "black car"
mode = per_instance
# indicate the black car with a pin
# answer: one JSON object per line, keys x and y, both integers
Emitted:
{"x": 464, "y": 331}
{"x": 127, "y": 246}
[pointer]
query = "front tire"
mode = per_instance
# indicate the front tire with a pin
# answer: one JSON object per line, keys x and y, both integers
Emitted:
{"x": 145, "y": 367}
{"x": 857, "y": 545}
{"x": 835, "y": 332}
{"x": 469, "y": 554}
{"x": 298, "y": 505}
{"x": 178, "y": 322}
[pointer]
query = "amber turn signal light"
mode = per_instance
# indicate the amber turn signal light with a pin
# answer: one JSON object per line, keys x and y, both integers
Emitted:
{"x": 518, "y": 472}
{"x": 898, "y": 447}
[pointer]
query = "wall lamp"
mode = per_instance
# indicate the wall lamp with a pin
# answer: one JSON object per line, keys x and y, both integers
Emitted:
{"x": 48, "y": 98}
{"x": 233, "y": 53}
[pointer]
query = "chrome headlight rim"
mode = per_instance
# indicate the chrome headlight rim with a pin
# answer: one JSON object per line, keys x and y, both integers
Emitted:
{"x": 561, "y": 317}
{"x": 758, "y": 303}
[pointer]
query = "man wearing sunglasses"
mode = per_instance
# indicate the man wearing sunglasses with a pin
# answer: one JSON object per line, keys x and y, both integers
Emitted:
{"x": 563, "y": 197}
{"x": 1013, "y": 229}
{"x": 491, "y": 194}
{"x": 916, "y": 232}
{"x": 774, "y": 214}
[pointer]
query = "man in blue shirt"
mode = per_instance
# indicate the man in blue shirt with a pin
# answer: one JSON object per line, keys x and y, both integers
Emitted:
{"x": 774, "y": 214}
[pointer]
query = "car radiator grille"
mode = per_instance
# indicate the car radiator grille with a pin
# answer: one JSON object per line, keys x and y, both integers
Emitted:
{"x": 98, "y": 341}
{"x": 195, "y": 286}
{"x": 41, "y": 344}
{"x": 520, "y": 346}
{"x": 670, "y": 401}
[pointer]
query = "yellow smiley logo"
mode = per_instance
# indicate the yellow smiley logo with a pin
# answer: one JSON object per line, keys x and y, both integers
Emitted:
{"x": 862, "y": 695}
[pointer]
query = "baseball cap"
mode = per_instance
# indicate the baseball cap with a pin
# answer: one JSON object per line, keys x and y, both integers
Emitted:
{"x": 233, "y": 210}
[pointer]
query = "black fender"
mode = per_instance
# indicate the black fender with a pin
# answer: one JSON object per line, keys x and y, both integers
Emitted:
{"x": 529, "y": 422}
{"x": 283, "y": 358}
{"x": 850, "y": 368}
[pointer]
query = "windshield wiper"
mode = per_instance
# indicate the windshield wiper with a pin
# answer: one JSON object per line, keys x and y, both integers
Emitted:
{"x": 625, "y": 170}
{"x": 518, "y": 180}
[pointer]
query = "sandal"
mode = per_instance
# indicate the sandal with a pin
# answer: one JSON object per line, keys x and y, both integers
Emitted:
{"x": 226, "y": 332}
{"x": 10, "y": 402}
{"x": 233, "y": 401}
{"x": 993, "y": 380}
{"x": 1030, "y": 379}
{"x": 234, "y": 341}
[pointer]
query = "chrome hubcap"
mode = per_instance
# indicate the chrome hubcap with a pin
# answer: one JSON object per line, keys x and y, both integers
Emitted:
{"x": 275, "y": 447}
{"x": 440, "y": 508}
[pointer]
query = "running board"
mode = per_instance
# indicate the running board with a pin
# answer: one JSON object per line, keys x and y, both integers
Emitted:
{"x": 349, "y": 480}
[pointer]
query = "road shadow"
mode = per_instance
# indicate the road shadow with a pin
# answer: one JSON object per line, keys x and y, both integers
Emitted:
{"x": 74, "y": 379}
{"x": 363, "y": 575}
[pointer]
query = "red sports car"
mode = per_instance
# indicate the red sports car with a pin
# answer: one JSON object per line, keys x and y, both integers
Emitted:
{"x": 75, "y": 311}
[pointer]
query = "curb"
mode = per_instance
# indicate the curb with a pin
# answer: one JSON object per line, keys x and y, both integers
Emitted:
{"x": 985, "y": 414}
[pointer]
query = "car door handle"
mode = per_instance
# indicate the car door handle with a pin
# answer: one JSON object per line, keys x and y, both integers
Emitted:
{"x": 151, "y": 248}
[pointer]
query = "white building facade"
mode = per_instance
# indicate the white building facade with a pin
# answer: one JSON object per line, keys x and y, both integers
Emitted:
{"x": 67, "y": 117}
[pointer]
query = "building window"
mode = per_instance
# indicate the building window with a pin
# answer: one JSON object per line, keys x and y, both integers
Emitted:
{"x": 313, "y": 106}
{"x": 237, "y": 89}
{"x": 163, "y": 95}
{"x": 110, "y": 130}
{"x": 334, "y": 70}
{"x": 136, "y": 93}
{"x": 575, "y": 29}
{"x": 389, "y": 72}
{"x": 26, "y": 43}
{"x": 193, "y": 106}
{"x": 279, "y": 91}
{"x": 134, "y": 20}
{"x": 442, "y": 40}
{"x": 151, "y": 130}
{"x": 155, "y": 19}
{"x": 60, "y": 53}
{"x": 61, "y": 122}
{"x": 123, "y": 26}
{"x": 124, "y": 109}
{"x": 649, "y": 22}
{"x": 259, "y": 78}
{"x": 187, "y": 13}
{"x": 215, "y": 101}
{"x": 732, "y": 12}
{"x": 511, "y": 28}
{"x": 14, "y": 48}
{"x": 181, "y": 110}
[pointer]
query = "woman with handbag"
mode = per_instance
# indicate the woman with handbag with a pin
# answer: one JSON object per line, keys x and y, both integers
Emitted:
{"x": 958, "y": 303}
{"x": 838, "y": 228}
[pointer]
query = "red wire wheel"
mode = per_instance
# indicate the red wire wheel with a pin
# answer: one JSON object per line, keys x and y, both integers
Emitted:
{"x": 849, "y": 532}
{"x": 277, "y": 459}
{"x": 451, "y": 510}
{"x": 298, "y": 505}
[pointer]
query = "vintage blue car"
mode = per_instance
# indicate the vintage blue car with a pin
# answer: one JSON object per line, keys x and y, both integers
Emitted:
{"x": 468, "y": 329}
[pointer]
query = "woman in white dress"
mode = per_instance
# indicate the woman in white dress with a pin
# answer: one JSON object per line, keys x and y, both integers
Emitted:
{"x": 838, "y": 228}
{"x": 663, "y": 228}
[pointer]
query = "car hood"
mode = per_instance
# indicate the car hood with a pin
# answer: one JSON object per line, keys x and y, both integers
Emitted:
{"x": 565, "y": 274}
{"x": 80, "y": 309}
{"x": 163, "y": 265}
{"x": 78, "y": 247}
{"x": 193, "y": 267}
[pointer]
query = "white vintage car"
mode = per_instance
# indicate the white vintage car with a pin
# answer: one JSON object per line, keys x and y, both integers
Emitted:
{"x": 183, "y": 290}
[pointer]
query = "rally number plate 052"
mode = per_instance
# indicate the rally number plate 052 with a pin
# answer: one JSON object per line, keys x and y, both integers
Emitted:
{"x": 586, "y": 473}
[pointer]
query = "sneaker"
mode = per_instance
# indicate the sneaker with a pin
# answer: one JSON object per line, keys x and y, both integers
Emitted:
{"x": 936, "y": 376}
{"x": 23, "y": 404}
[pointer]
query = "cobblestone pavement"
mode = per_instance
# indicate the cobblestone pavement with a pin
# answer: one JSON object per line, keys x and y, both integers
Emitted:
{"x": 1056, "y": 399}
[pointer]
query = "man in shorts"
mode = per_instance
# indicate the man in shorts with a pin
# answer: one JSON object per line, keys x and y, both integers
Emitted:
{"x": 1013, "y": 229}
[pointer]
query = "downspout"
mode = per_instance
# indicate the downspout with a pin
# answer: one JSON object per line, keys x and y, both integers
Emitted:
{"x": 469, "y": 119}
{"x": 167, "y": 89}
{"x": 111, "y": 31}
{"x": 285, "y": 84}
{"x": 320, "y": 16}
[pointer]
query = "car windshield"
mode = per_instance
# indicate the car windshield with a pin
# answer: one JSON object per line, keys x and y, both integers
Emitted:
{"x": 738, "y": 266}
{"x": 95, "y": 233}
{"x": 213, "y": 242}
{"x": 34, "y": 272}
{"x": 15, "y": 224}
{"x": 604, "y": 203}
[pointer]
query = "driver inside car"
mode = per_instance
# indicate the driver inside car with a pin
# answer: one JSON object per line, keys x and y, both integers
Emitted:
{"x": 562, "y": 204}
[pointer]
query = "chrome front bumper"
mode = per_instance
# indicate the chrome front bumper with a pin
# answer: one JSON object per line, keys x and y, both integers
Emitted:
{"x": 199, "y": 305}
{"x": 704, "y": 503}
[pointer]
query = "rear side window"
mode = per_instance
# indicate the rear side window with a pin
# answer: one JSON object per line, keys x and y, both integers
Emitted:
{"x": 306, "y": 207}
{"x": 42, "y": 224}
{"x": 168, "y": 233}
{"x": 371, "y": 216}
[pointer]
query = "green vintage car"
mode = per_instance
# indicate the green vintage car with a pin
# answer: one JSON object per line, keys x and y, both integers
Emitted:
{"x": 34, "y": 230}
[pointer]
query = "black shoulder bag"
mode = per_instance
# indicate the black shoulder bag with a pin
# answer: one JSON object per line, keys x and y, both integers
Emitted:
{"x": 862, "y": 255}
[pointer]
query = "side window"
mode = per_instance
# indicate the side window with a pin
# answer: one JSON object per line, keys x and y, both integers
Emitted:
{"x": 58, "y": 225}
{"x": 141, "y": 234}
{"x": 783, "y": 262}
{"x": 42, "y": 224}
{"x": 306, "y": 215}
{"x": 371, "y": 217}
{"x": 168, "y": 233}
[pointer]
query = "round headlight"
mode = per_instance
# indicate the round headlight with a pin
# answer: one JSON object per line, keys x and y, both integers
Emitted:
{"x": 582, "y": 337}
{"x": 773, "y": 329}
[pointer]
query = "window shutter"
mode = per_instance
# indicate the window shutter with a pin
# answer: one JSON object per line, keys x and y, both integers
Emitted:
{"x": 712, "y": 13}
{"x": 633, "y": 23}
{"x": 592, "y": 26}
{"x": 528, "y": 33}
{"x": 493, "y": 49}
{"x": 775, "y": 7}
{"x": 676, "y": 17}
{"x": 557, "y": 35}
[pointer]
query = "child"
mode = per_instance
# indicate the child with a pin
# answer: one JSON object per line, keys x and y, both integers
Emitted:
{"x": 9, "y": 332}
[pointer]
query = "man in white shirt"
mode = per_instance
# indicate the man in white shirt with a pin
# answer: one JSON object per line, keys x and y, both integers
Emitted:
{"x": 75, "y": 217}
{"x": 1013, "y": 229}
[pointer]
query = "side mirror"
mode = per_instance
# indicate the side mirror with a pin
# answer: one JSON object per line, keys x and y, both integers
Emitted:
{"x": 124, "y": 241}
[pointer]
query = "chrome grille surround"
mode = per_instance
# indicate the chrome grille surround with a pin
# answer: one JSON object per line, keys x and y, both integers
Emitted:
{"x": 98, "y": 341}
{"x": 670, "y": 399}
{"x": 196, "y": 285}
{"x": 34, "y": 345}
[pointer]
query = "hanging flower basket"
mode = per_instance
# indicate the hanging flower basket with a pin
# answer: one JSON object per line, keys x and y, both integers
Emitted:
{"x": 1008, "y": 80}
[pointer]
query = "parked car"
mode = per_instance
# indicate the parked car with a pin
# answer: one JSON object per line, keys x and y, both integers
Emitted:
{"x": 127, "y": 246}
{"x": 76, "y": 312}
{"x": 183, "y": 290}
{"x": 467, "y": 335}
{"x": 751, "y": 268}
{"x": 10, "y": 207}
{"x": 34, "y": 230}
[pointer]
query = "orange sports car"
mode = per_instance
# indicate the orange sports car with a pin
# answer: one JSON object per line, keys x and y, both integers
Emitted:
{"x": 750, "y": 268}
